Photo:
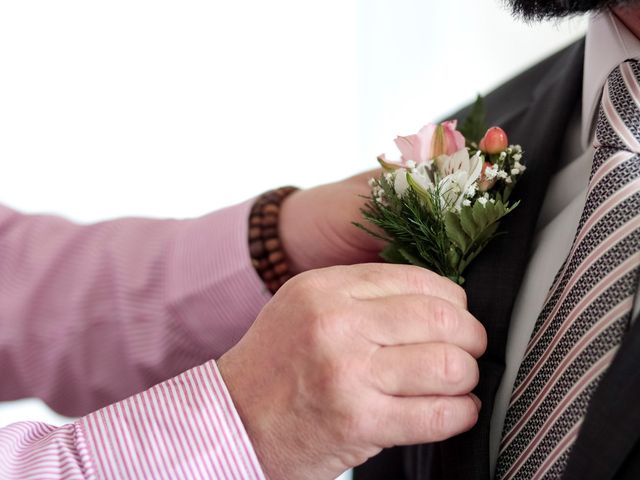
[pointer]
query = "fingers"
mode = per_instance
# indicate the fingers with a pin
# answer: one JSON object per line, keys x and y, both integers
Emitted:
{"x": 374, "y": 280}
{"x": 428, "y": 369}
{"x": 412, "y": 319}
{"x": 415, "y": 420}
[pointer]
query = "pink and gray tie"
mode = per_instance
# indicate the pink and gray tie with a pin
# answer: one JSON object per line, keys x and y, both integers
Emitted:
{"x": 588, "y": 309}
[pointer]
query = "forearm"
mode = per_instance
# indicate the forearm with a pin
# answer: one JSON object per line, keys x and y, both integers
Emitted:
{"x": 186, "y": 427}
{"x": 92, "y": 314}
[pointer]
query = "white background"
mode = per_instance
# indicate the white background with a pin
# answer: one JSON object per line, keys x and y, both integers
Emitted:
{"x": 173, "y": 109}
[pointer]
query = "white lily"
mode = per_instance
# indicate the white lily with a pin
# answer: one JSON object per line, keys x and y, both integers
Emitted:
{"x": 400, "y": 183}
{"x": 420, "y": 175}
{"x": 459, "y": 173}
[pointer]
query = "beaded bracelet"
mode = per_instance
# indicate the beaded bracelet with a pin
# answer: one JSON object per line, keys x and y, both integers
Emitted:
{"x": 267, "y": 254}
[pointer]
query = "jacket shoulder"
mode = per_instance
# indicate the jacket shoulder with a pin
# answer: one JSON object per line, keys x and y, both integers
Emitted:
{"x": 517, "y": 92}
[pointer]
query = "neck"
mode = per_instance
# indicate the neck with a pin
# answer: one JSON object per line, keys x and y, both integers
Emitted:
{"x": 630, "y": 17}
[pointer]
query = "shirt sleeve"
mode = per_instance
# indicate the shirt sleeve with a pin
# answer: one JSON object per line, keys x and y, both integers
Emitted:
{"x": 186, "y": 427}
{"x": 91, "y": 314}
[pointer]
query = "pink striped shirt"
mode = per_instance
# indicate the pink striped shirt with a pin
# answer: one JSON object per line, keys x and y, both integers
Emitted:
{"x": 91, "y": 315}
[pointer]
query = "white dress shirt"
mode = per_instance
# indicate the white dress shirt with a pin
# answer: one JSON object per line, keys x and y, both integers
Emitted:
{"x": 609, "y": 43}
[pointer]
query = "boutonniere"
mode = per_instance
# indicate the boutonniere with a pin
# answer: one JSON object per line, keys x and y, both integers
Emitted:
{"x": 441, "y": 204}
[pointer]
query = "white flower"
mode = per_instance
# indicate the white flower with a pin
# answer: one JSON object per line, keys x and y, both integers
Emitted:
{"x": 491, "y": 172}
{"x": 448, "y": 164}
{"x": 482, "y": 201}
{"x": 400, "y": 183}
{"x": 471, "y": 191}
{"x": 460, "y": 174}
{"x": 503, "y": 155}
{"x": 502, "y": 174}
{"x": 515, "y": 171}
{"x": 451, "y": 189}
{"x": 466, "y": 203}
{"x": 420, "y": 175}
{"x": 428, "y": 164}
{"x": 517, "y": 157}
{"x": 411, "y": 164}
{"x": 372, "y": 182}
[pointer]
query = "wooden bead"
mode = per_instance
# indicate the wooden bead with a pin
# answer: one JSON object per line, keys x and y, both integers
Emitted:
{"x": 256, "y": 248}
{"x": 276, "y": 257}
{"x": 271, "y": 197}
{"x": 255, "y": 221}
{"x": 271, "y": 209}
{"x": 268, "y": 275}
{"x": 271, "y": 232}
{"x": 255, "y": 233}
{"x": 281, "y": 268}
{"x": 269, "y": 221}
{"x": 272, "y": 244}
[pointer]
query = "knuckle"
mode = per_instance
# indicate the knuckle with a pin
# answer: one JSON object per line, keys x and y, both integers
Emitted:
{"x": 299, "y": 289}
{"x": 334, "y": 376}
{"x": 371, "y": 272}
{"x": 322, "y": 319}
{"x": 305, "y": 281}
{"x": 443, "y": 315}
{"x": 454, "y": 366}
{"x": 460, "y": 294}
{"x": 441, "y": 418}
{"x": 331, "y": 325}
{"x": 469, "y": 415}
{"x": 483, "y": 339}
{"x": 475, "y": 376}
{"x": 420, "y": 276}
{"x": 316, "y": 341}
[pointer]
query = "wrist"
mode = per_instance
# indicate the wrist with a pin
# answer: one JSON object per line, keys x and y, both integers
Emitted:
{"x": 290, "y": 235}
{"x": 255, "y": 416}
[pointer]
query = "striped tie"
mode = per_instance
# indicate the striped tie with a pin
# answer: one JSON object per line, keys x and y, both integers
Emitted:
{"x": 589, "y": 306}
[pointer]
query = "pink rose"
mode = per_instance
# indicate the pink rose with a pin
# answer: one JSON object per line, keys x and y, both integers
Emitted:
{"x": 431, "y": 142}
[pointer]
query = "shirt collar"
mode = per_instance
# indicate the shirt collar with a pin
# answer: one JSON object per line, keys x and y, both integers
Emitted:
{"x": 609, "y": 43}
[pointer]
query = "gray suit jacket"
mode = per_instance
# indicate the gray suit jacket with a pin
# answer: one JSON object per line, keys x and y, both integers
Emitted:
{"x": 535, "y": 108}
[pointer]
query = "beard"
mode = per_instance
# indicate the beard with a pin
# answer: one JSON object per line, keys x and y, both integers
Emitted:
{"x": 549, "y": 9}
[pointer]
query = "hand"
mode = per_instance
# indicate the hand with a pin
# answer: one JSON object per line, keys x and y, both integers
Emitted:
{"x": 316, "y": 229}
{"x": 345, "y": 361}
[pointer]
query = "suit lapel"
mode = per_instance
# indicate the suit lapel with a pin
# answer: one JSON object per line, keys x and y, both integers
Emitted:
{"x": 611, "y": 427}
{"x": 539, "y": 125}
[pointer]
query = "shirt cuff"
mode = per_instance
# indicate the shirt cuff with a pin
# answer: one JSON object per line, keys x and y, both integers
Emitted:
{"x": 213, "y": 288}
{"x": 186, "y": 427}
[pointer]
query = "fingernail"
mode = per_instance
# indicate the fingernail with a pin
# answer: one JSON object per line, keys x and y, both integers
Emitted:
{"x": 476, "y": 400}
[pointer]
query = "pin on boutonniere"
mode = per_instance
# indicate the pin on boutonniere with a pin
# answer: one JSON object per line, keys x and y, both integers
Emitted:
{"x": 441, "y": 204}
